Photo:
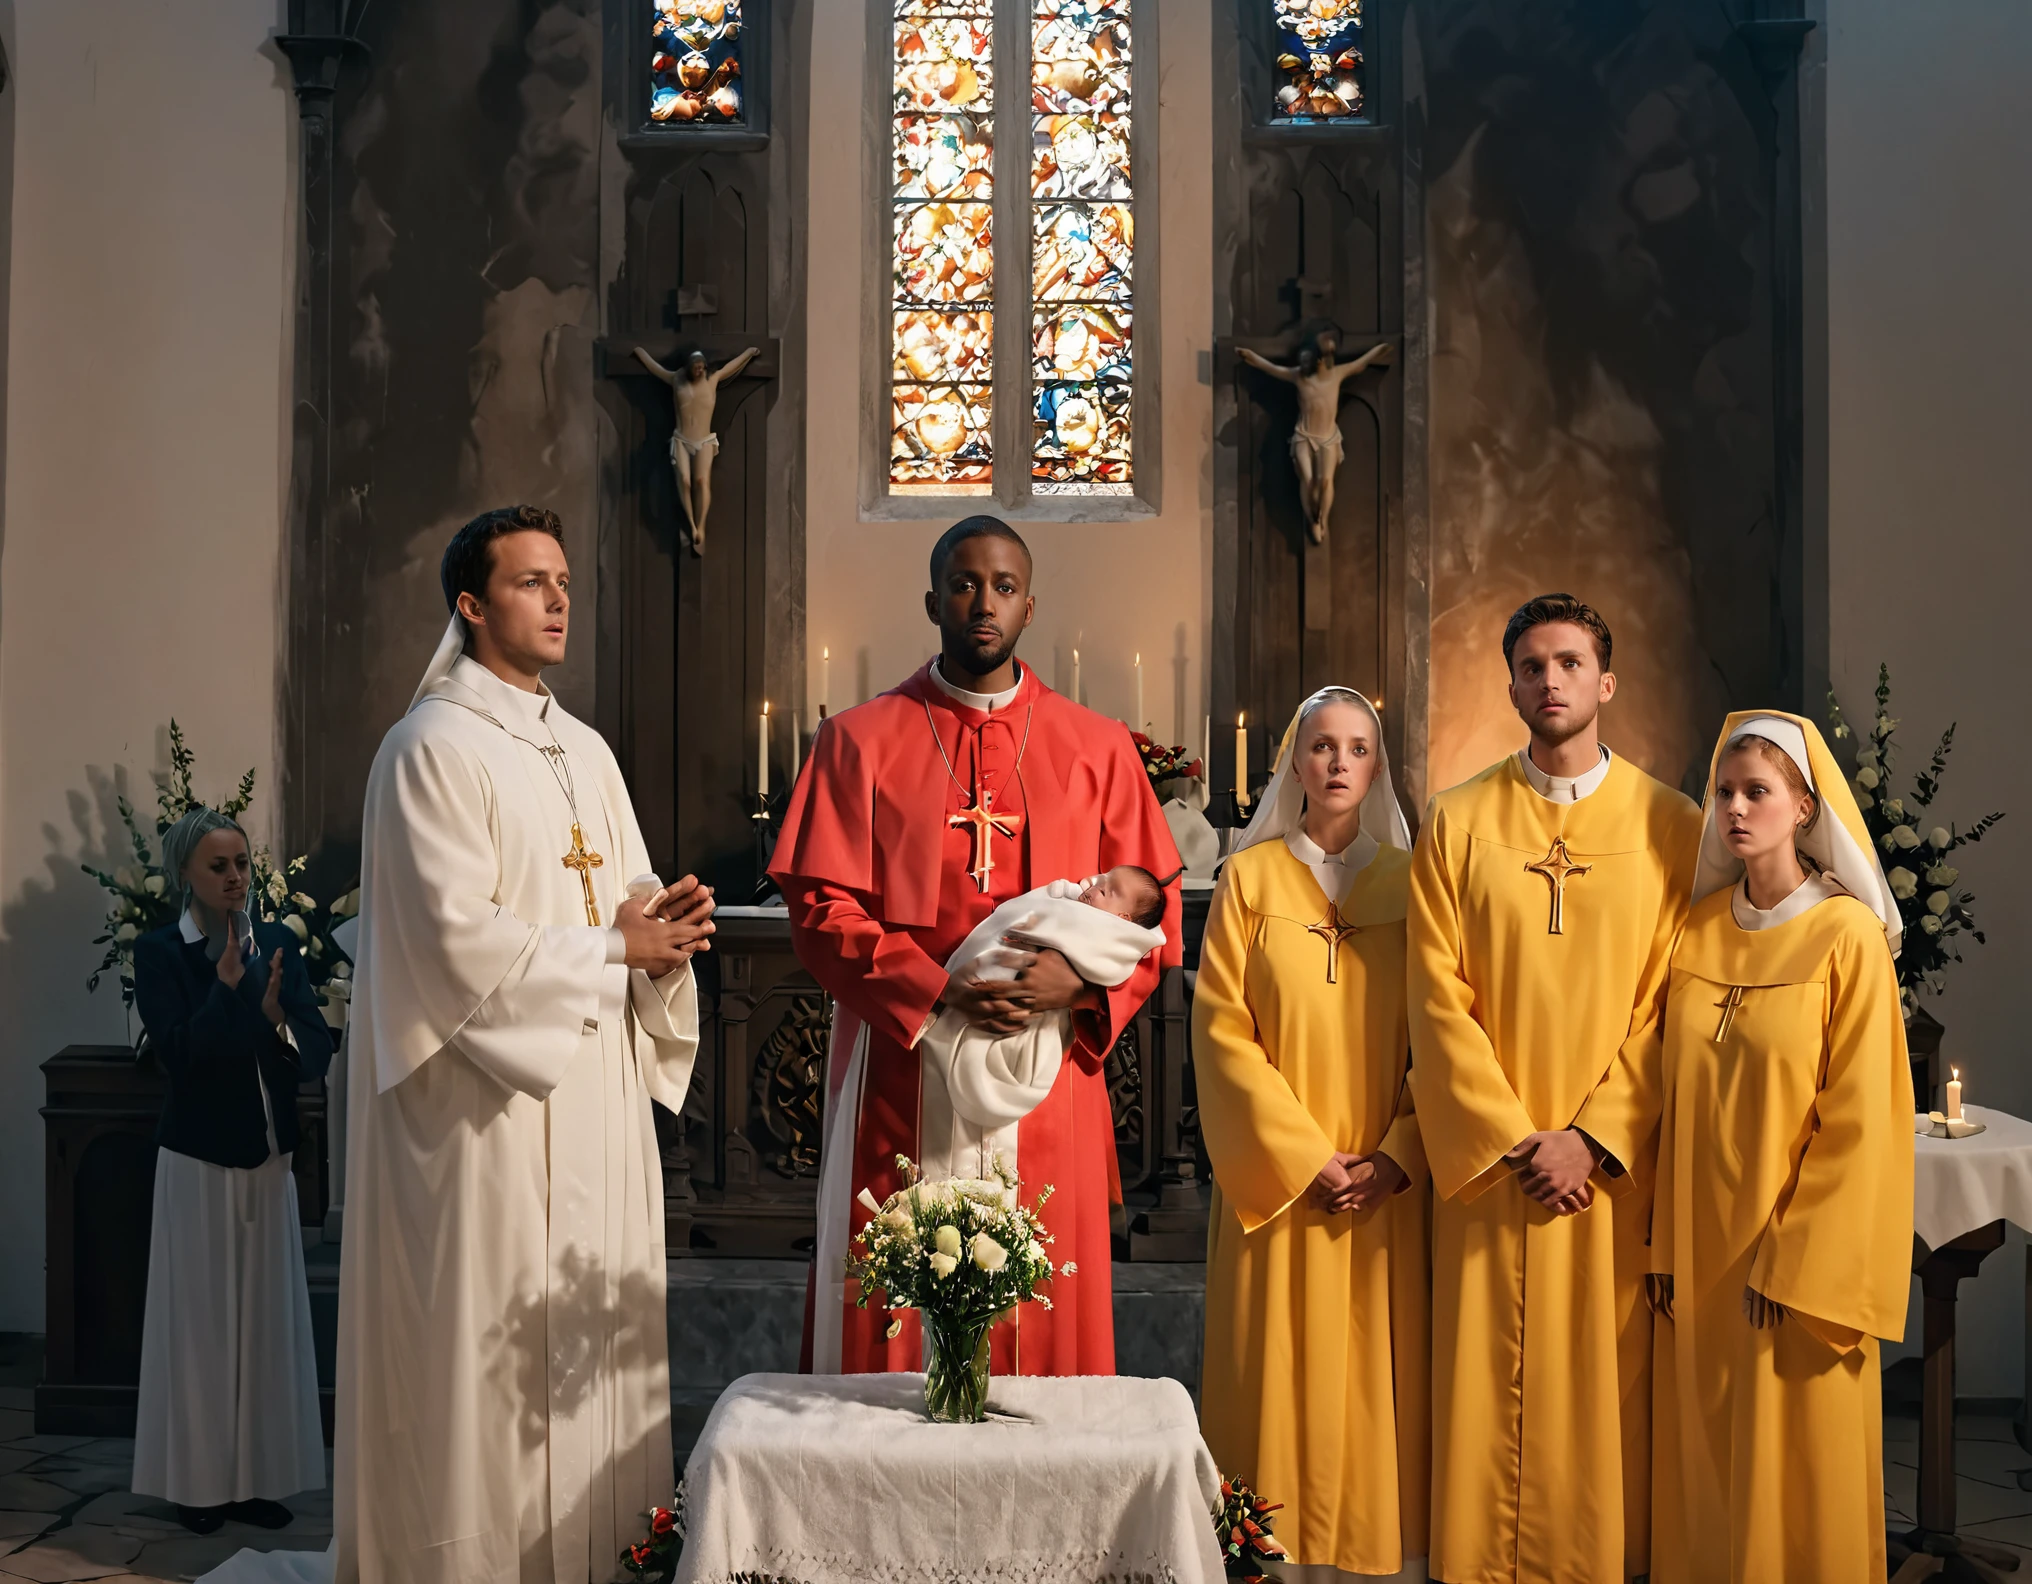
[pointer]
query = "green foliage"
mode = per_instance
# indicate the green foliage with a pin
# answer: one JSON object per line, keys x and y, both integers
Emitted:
{"x": 1935, "y": 912}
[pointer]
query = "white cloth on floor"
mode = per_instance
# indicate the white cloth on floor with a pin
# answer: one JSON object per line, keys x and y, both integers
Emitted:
{"x": 228, "y": 1408}
{"x": 1961, "y": 1184}
{"x": 976, "y": 1085}
{"x": 841, "y": 1479}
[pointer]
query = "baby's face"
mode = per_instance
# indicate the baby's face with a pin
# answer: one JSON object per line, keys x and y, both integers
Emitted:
{"x": 1113, "y": 892}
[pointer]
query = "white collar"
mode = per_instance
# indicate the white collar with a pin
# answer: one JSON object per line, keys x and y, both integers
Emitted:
{"x": 1563, "y": 789}
{"x": 187, "y": 926}
{"x": 1814, "y": 889}
{"x": 504, "y": 698}
{"x": 981, "y": 701}
{"x": 1335, "y": 872}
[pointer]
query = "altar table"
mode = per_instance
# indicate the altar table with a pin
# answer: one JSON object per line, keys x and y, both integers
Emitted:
{"x": 1964, "y": 1190}
{"x": 841, "y": 1479}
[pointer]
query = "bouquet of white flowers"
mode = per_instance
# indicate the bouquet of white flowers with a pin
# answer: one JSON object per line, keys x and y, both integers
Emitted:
{"x": 963, "y": 1253}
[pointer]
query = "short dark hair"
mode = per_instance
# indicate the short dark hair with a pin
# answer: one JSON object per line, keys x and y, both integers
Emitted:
{"x": 981, "y": 527}
{"x": 1150, "y": 911}
{"x": 469, "y": 558}
{"x": 1557, "y": 608}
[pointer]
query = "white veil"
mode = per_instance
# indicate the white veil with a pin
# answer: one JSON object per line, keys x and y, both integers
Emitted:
{"x": 1282, "y": 805}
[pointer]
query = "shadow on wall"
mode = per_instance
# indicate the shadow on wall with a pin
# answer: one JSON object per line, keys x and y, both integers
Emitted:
{"x": 1602, "y": 369}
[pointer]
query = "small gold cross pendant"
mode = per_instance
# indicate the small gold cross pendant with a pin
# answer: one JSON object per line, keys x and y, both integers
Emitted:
{"x": 1333, "y": 931}
{"x": 1558, "y": 868}
{"x": 1729, "y": 1005}
{"x": 583, "y": 859}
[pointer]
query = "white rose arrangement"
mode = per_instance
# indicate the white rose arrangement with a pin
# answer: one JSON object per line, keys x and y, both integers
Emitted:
{"x": 1933, "y": 911}
{"x": 963, "y": 1250}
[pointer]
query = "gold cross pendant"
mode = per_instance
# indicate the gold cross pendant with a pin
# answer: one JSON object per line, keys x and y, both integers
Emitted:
{"x": 987, "y": 825}
{"x": 1729, "y": 1005}
{"x": 585, "y": 861}
{"x": 1333, "y": 930}
{"x": 1558, "y": 868}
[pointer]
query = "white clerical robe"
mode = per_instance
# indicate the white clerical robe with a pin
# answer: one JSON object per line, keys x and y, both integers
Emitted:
{"x": 503, "y": 1374}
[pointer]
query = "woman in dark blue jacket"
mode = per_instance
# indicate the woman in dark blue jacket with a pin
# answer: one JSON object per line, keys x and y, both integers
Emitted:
{"x": 228, "y": 1416}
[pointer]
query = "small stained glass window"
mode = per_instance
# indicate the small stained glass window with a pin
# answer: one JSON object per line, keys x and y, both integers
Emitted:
{"x": 695, "y": 66}
{"x": 1082, "y": 242}
{"x": 943, "y": 293}
{"x": 1319, "y": 61}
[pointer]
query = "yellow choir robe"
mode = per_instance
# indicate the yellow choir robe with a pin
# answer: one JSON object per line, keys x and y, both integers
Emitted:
{"x": 1314, "y": 1382}
{"x": 1541, "y": 1340}
{"x": 1785, "y": 1164}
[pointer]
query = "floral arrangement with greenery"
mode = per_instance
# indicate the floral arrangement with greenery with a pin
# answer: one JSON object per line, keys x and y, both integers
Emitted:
{"x": 962, "y": 1252}
{"x": 1242, "y": 1530}
{"x": 653, "y": 1558}
{"x": 1164, "y": 765}
{"x": 145, "y": 898}
{"x": 1933, "y": 911}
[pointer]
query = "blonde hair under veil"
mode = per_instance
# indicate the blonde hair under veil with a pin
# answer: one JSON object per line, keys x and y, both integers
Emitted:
{"x": 1282, "y": 807}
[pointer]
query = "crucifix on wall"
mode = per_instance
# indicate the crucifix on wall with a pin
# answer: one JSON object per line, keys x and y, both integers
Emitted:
{"x": 693, "y": 444}
{"x": 1316, "y": 446}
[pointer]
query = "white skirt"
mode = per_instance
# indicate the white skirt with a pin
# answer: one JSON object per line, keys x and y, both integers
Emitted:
{"x": 229, "y": 1401}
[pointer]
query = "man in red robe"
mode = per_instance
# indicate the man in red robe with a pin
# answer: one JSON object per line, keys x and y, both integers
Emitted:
{"x": 920, "y": 812}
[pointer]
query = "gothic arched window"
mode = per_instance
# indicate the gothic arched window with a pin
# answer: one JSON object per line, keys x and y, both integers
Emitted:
{"x": 1004, "y": 305}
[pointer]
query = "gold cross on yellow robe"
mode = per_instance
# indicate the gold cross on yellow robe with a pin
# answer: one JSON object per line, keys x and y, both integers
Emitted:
{"x": 1558, "y": 868}
{"x": 1541, "y": 1340}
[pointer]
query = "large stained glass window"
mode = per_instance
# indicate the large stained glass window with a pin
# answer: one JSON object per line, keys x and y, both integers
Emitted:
{"x": 1082, "y": 237}
{"x": 943, "y": 303}
{"x": 1319, "y": 64}
{"x": 1077, "y": 225}
{"x": 695, "y": 70}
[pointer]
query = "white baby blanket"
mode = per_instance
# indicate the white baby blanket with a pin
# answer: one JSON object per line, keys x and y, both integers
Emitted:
{"x": 977, "y": 1086}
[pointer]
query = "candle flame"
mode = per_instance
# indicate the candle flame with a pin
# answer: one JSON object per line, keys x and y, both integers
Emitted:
{"x": 826, "y": 653}
{"x": 1241, "y": 719}
{"x": 765, "y": 709}
{"x": 1957, "y": 1073}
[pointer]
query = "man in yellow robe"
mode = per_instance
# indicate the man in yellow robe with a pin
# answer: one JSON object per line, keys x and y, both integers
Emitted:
{"x": 1546, "y": 894}
{"x": 1313, "y": 1386}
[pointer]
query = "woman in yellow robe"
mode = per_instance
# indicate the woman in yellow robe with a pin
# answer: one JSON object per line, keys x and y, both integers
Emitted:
{"x": 1313, "y": 1385}
{"x": 1782, "y": 1235}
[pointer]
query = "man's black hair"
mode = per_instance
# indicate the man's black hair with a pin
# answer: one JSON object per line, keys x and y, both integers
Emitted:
{"x": 982, "y": 527}
{"x": 469, "y": 558}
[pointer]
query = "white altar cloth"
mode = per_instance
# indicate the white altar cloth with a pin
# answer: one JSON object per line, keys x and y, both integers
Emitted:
{"x": 840, "y": 1479}
{"x": 1961, "y": 1184}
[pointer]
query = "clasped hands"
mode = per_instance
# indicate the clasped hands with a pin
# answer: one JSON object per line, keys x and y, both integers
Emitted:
{"x": 1044, "y": 982}
{"x": 661, "y": 932}
{"x": 1554, "y": 1168}
{"x": 1352, "y": 1183}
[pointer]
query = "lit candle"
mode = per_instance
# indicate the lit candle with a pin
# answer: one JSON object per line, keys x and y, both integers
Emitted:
{"x": 796, "y": 731}
{"x": 1954, "y": 1095}
{"x": 762, "y": 753}
{"x": 1075, "y": 677}
{"x": 1206, "y": 748}
{"x": 825, "y": 684}
{"x": 1242, "y": 760}
{"x": 1138, "y": 723}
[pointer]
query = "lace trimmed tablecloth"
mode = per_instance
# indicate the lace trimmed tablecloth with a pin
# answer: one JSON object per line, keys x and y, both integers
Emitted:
{"x": 1961, "y": 1184}
{"x": 840, "y": 1479}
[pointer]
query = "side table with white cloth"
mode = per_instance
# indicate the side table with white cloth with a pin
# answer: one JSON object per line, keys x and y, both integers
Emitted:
{"x": 1964, "y": 1190}
{"x": 841, "y": 1479}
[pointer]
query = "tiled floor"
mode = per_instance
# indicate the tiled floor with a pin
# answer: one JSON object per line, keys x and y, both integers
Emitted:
{"x": 66, "y": 1513}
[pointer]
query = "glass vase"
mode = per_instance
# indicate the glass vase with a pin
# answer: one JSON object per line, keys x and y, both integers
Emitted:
{"x": 955, "y": 1369}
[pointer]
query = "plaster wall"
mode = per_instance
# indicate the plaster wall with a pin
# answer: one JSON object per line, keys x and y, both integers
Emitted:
{"x": 146, "y": 403}
{"x": 1928, "y": 338}
{"x": 1109, "y": 589}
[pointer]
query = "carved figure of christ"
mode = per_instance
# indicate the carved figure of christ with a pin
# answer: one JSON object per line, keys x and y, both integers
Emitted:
{"x": 1316, "y": 443}
{"x": 693, "y": 444}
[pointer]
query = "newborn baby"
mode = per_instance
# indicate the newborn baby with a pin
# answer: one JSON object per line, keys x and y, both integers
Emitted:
{"x": 977, "y": 1085}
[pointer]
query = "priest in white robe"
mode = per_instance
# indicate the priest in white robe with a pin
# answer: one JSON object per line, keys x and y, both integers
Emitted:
{"x": 503, "y": 1377}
